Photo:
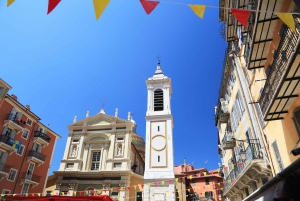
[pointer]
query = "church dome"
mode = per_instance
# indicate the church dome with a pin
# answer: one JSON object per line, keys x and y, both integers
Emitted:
{"x": 139, "y": 143}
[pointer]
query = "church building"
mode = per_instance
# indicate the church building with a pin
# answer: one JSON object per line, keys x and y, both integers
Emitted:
{"x": 103, "y": 155}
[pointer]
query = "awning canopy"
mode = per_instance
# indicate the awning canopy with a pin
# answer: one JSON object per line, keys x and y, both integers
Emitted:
{"x": 60, "y": 198}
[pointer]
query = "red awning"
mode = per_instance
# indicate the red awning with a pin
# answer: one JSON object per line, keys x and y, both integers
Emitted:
{"x": 60, "y": 198}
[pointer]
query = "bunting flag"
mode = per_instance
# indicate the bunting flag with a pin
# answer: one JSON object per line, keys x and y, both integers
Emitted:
{"x": 99, "y": 7}
{"x": 149, "y": 5}
{"x": 51, "y": 5}
{"x": 9, "y": 2}
{"x": 204, "y": 173}
{"x": 32, "y": 195}
{"x": 134, "y": 187}
{"x": 39, "y": 194}
{"x": 219, "y": 184}
{"x": 233, "y": 180}
{"x": 75, "y": 193}
{"x": 240, "y": 164}
{"x": 16, "y": 194}
{"x": 170, "y": 181}
{"x": 288, "y": 19}
{"x": 141, "y": 187}
{"x": 163, "y": 182}
{"x": 117, "y": 189}
{"x": 149, "y": 185}
{"x": 189, "y": 190}
{"x": 246, "y": 161}
{"x": 191, "y": 176}
{"x": 229, "y": 181}
{"x": 225, "y": 168}
{"x": 241, "y": 16}
{"x": 198, "y": 9}
{"x": 80, "y": 192}
{"x": 128, "y": 187}
{"x": 176, "y": 179}
{"x": 155, "y": 183}
{"x": 232, "y": 166}
{"x": 183, "y": 178}
{"x": 2, "y": 195}
{"x": 218, "y": 170}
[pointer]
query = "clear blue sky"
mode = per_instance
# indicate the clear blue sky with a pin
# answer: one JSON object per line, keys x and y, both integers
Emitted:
{"x": 65, "y": 63}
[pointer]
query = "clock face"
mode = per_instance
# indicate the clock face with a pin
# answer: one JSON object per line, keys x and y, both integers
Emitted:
{"x": 158, "y": 143}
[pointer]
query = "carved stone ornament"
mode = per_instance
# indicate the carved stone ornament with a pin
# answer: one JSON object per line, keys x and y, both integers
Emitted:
{"x": 72, "y": 185}
{"x": 58, "y": 184}
{"x": 86, "y": 146}
{"x": 106, "y": 186}
{"x": 105, "y": 146}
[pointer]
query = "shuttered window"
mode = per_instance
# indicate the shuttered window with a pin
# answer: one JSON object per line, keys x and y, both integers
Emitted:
{"x": 277, "y": 155}
{"x": 261, "y": 120}
{"x": 158, "y": 100}
{"x": 296, "y": 118}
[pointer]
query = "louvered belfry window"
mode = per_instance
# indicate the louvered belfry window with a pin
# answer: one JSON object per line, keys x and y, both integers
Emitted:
{"x": 296, "y": 118}
{"x": 158, "y": 100}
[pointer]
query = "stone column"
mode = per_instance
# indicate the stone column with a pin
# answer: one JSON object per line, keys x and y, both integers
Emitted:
{"x": 67, "y": 148}
{"x": 80, "y": 147}
{"x": 85, "y": 157}
{"x": 112, "y": 146}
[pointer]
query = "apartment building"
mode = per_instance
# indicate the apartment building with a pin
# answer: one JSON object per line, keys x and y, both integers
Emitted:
{"x": 264, "y": 57}
{"x": 26, "y": 146}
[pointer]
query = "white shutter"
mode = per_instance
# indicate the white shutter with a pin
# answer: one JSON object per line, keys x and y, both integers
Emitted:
{"x": 12, "y": 134}
{"x": 40, "y": 149}
{"x": 34, "y": 146}
{"x": 4, "y": 130}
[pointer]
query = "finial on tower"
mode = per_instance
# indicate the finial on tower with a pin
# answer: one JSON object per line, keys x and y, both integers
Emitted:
{"x": 129, "y": 116}
{"x": 103, "y": 104}
{"x": 158, "y": 72}
{"x": 116, "y": 112}
{"x": 87, "y": 114}
{"x": 158, "y": 57}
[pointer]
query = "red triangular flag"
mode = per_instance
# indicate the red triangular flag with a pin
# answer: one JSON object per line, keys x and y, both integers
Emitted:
{"x": 32, "y": 194}
{"x": 117, "y": 189}
{"x": 240, "y": 164}
{"x": 80, "y": 192}
{"x": 52, "y": 4}
{"x": 183, "y": 178}
{"x": 224, "y": 182}
{"x": 142, "y": 185}
{"x": 149, "y": 5}
{"x": 241, "y": 15}
{"x": 170, "y": 181}
{"x": 155, "y": 183}
{"x": 128, "y": 187}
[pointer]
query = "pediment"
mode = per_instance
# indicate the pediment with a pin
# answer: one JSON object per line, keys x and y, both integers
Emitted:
{"x": 97, "y": 138}
{"x": 100, "y": 121}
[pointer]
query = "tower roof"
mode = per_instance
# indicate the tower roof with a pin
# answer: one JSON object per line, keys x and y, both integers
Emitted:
{"x": 158, "y": 74}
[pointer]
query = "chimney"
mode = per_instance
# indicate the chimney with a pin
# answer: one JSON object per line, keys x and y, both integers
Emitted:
{"x": 14, "y": 97}
{"x": 28, "y": 107}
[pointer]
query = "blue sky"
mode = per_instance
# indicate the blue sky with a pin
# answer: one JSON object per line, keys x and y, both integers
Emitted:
{"x": 65, "y": 63}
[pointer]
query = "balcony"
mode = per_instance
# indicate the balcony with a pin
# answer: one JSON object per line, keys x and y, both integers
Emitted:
{"x": 4, "y": 170}
{"x": 246, "y": 172}
{"x": 260, "y": 32}
{"x": 41, "y": 138}
{"x": 32, "y": 179}
{"x": 6, "y": 143}
{"x": 228, "y": 141}
{"x": 14, "y": 123}
{"x": 282, "y": 85}
{"x": 36, "y": 157}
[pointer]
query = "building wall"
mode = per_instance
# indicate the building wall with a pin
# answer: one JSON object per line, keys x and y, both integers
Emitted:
{"x": 135, "y": 180}
{"x": 21, "y": 162}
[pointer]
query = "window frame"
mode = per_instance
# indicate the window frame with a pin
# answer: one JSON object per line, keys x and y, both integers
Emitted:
{"x": 8, "y": 176}
{"x": 137, "y": 197}
{"x": 27, "y": 133}
{"x": 4, "y": 191}
{"x": 91, "y": 163}
{"x": 17, "y": 152}
{"x": 23, "y": 188}
{"x": 156, "y": 97}
{"x": 28, "y": 123}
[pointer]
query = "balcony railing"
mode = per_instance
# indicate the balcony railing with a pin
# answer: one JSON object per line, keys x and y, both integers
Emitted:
{"x": 228, "y": 141}
{"x": 37, "y": 155}
{"x": 15, "y": 119}
{"x": 4, "y": 167}
{"x": 31, "y": 177}
{"x": 252, "y": 153}
{"x": 7, "y": 140}
{"x": 279, "y": 66}
{"x": 42, "y": 135}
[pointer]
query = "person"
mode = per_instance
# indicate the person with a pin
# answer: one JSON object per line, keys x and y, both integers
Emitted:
{"x": 291, "y": 188}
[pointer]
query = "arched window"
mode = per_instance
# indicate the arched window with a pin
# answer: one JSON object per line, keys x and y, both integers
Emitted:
{"x": 296, "y": 118}
{"x": 158, "y": 100}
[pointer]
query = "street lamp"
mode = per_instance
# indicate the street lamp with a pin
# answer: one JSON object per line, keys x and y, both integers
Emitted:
{"x": 243, "y": 154}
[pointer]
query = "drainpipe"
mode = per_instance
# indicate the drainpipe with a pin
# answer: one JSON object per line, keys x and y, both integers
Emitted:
{"x": 246, "y": 95}
{"x": 24, "y": 156}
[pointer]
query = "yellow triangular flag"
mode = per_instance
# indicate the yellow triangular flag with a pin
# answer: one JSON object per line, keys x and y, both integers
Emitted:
{"x": 14, "y": 195}
{"x": 246, "y": 162}
{"x": 188, "y": 190}
{"x": 99, "y": 6}
{"x": 62, "y": 193}
{"x": 219, "y": 184}
{"x": 74, "y": 192}
{"x": 176, "y": 179}
{"x": 2, "y": 195}
{"x": 98, "y": 191}
{"x": 288, "y": 19}
{"x": 9, "y": 2}
{"x": 39, "y": 194}
{"x": 26, "y": 194}
{"x": 163, "y": 182}
{"x": 204, "y": 173}
{"x": 134, "y": 187}
{"x": 191, "y": 176}
{"x": 232, "y": 166}
{"x": 149, "y": 185}
{"x": 218, "y": 170}
{"x": 111, "y": 189}
{"x": 198, "y": 9}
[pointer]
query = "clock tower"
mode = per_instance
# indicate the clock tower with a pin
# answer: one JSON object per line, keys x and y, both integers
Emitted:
{"x": 159, "y": 159}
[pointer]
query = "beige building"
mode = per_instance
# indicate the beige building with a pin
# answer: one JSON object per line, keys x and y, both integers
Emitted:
{"x": 103, "y": 155}
{"x": 260, "y": 81}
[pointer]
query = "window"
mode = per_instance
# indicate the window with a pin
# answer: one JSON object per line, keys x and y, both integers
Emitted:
{"x": 193, "y": 182}
{"x": 20, "y": 150}
{"x": 246, "y": 192}
{"x": 95, "y": 160}
{"x": 12, "y": 175}
{"x": 120, "y": 139}
{"x": 158, "y": 100}
{"x": 29, "y": 122}
{"x": 75, "y": 141}
{"x": 7, "y": 131}
{"x": 25, "y": 188}
{"x": 277, "y": 155}
{"x": 5, "y": 191}
{"x": 117, "y": 165}
{"x": 30, "y": 171}
{"x": 232, "y": 79}
{"x": 157, "y": 128}
{"x": 206, "y": 181}
{"x": 296, "y": 118}
{"x": 239, "y": 103}
{"x": 114, "y": 194}
{"x": 37, "y": 147}
{"x": 158, "y": 158}
{"x": 208, "y": 194}
{"x": 234, "y": 118}
{"x": 70, "y": 165}
{"x": 139, "y": 196}
{"x": 228, "y": 94}
{"x": 25, "y": 134}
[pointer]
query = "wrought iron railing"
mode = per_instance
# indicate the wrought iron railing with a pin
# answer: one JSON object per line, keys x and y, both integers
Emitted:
{"x": 252, "y": 153}
{"x": 4, "y": 167}
{"x": 279, "y": 66}
{"x": 31, "y": 177}
{"x": 7, "y": 140}
{"x": 42, "y": 135}
{"x": 227, "y": 137}
{"x": 37, "y": 155}
{"x": 14, "y": 118}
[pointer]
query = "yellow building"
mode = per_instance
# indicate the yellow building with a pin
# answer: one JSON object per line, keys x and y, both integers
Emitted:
{"x": 264, "y": 58}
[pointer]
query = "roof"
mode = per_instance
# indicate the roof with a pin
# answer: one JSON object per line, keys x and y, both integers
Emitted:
{"x": 5, "y": 84}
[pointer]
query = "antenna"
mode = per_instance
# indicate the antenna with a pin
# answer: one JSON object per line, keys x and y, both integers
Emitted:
{"x": 103, "y": 102}
{"x": 205, "y": 162}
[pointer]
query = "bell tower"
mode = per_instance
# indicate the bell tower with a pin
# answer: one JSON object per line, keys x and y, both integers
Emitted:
{"x": 159, "y": 161}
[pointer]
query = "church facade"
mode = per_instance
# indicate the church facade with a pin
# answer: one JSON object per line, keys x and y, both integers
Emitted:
{"x": 103, "y": 155}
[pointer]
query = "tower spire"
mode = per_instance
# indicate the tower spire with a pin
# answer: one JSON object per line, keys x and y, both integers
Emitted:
{"x": 158, "y": 72}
